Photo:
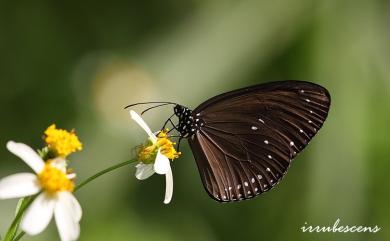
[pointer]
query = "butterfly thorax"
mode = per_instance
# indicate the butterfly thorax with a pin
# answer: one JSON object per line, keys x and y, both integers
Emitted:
{"x": 187, "y": 125}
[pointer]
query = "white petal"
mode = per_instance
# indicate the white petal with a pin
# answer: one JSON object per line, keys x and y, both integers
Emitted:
{"x": 168, "y": 187}
{"x": 161, "y": 165}
{"x": 67, "y": 223}
{"x": 71, "y": 175}
{"x": 19, "y": 185}
{"x": 59, "y": 163}
{"x": 28, "y": 155}
{"x": 75, "y": 206}
{"x": 38, "y": 215}
{"x": 137, "y": 118}
{"x": 144, "y": 171}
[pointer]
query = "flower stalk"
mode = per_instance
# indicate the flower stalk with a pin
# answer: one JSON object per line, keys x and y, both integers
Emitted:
{"x": 107, "y": 170}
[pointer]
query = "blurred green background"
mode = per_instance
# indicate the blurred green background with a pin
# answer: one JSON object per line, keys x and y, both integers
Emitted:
{"x": 78, "y": 64}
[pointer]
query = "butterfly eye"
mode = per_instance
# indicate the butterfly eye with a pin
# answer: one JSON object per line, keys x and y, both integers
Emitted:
{"x": 178, "y": 109}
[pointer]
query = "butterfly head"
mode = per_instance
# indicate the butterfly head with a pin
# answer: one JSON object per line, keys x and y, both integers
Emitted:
{"x": 186, "y": 121}
{"x": 178, "y": 110}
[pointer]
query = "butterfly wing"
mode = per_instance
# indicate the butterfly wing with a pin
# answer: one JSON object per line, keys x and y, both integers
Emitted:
{"x": 249, "y": 136}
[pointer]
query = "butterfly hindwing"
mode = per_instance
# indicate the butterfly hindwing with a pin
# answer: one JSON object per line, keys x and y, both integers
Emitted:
{"x": 249, "y": 136}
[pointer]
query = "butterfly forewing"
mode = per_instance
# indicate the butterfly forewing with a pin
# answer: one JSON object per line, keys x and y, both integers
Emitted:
{"x": 250, "y": 136}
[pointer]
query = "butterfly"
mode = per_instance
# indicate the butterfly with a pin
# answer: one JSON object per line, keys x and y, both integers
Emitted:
{"x": 244, "y": 140}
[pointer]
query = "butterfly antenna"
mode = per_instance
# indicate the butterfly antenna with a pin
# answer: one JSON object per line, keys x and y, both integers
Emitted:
{"x": 151, "y": 102}
{"x": 154, "y": 107}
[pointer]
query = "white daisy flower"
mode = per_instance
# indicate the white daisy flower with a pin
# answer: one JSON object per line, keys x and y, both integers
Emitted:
{"x": 154, "y": 157}
{"x": 55, "y": 187}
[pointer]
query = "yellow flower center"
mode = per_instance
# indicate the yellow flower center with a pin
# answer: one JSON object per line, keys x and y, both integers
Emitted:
{"x": 167, "y": 146}
{"x": 147, "y": 153}
{"x": 53, "y": 180}
{"x": 61, "y": 141}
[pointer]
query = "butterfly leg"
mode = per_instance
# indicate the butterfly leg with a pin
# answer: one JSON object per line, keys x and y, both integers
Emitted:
{"x": 178, "y": 144}
{"x": 171, "y": 122}
{"x": 166, "y": 122}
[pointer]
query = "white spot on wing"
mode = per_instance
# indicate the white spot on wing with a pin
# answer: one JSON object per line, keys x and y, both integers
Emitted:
{"x": 260, "y": 177}
{"x": 269, "y": 156}
{"x": 246, "y": 184}
{"x": 266, "y": 142}
{"x": 268, "y": 170}
{"x": 254, "y": 128}
{"x": 253, "y": 180}
{"x": 261, "y": 120}
{"x": 291, "y": 143}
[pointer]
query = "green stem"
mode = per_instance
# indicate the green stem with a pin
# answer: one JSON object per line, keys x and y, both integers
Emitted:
{"x": 102, "y": 173}
{"x": 80, "y": 185}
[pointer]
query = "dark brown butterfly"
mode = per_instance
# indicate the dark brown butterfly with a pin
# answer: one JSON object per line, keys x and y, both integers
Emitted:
{"x": 244, "y": 140}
